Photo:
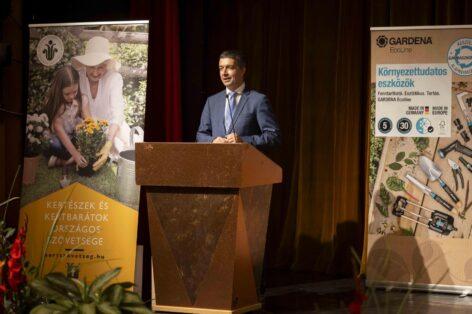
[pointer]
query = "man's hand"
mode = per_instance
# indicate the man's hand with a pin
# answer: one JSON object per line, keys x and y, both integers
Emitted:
{"x": 102, "y": 156}
{"x": 233, "y": 138}
{"x": 220, "y": 140}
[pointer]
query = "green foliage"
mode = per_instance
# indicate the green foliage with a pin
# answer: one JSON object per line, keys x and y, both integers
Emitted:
{"x": 462, "y": 84}
{"x": 395, "y": 166}
{"x": 135, "y": 110}
{"x": 386, "y": 198}
{"x": 421, "y": 143}
{"x": 395, "y": 184}
{"x": 409, "y": 161}
{"x": 134, "y": 87}
{"x": 375, "y": 143}
{"x": 407, "y": 232}
{"x": 132, "y": 55}
{"x": 382, "y": 210}
{"x": 400, "y": 156}
{"x": 66, "y": 295}
{"x": 5, "y": 240}
{"x": 385, "y": 195}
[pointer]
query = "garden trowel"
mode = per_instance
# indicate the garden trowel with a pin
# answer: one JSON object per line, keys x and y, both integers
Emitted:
{"x": 433, "y": 173}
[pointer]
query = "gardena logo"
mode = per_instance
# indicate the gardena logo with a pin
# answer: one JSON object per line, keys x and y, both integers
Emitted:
{"x": 50, "y": 50}
{"x": 382, "y": 41}
{"x": 459, "y": 56}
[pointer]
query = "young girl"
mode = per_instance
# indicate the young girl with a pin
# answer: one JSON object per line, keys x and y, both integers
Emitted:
{"x": 65, "y": 107}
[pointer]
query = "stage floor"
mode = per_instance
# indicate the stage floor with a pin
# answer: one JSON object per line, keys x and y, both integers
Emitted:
{"x": 334, "y": 297}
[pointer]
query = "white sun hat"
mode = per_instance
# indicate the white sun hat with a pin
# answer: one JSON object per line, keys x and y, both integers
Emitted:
{"x": 97, "y": 51}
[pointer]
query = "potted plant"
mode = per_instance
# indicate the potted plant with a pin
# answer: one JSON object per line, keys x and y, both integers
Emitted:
{"x": 36, "y": 138}
{"x": 90, "y": 136}
{"x": 69, "y": 295}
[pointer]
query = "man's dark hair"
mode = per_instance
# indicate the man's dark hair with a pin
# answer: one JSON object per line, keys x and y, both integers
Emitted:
{"x": 238, "y": 56}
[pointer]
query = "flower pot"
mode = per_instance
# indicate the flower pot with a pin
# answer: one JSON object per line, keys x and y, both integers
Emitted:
{"x": 86, "y": 171}
{"x": 30, "y": 165}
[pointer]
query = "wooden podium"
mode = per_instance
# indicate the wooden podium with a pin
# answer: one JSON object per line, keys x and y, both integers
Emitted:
{"x": 208, "y": 207}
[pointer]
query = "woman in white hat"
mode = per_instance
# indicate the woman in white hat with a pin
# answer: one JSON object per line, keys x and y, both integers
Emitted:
{"x": 103, "y": 86}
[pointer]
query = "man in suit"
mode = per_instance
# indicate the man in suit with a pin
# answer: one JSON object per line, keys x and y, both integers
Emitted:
{"x": 237, "y": 114}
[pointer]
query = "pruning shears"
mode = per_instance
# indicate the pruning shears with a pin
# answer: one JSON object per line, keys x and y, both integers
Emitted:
{"x": 456, "y": 171}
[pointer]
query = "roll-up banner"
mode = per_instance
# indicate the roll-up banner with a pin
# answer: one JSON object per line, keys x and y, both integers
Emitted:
{"x": 420, "y": 159}
{"x": 85, "y": 111}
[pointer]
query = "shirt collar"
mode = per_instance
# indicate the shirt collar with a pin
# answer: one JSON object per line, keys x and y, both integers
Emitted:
{"x": 238, "y": 90}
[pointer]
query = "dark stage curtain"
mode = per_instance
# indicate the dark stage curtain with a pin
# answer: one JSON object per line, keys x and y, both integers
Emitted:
{"x": 311, "y": 58}
{"x": 163, "y": 112}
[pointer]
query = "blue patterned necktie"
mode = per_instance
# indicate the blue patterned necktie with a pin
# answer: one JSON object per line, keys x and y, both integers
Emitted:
{"x": 229, "y": 112}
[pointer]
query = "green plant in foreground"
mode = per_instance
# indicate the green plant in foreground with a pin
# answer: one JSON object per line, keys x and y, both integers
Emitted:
{"x": 68, "y": 295}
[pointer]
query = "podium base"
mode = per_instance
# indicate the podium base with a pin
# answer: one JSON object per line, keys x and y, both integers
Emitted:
{"x": 199, "y": 310}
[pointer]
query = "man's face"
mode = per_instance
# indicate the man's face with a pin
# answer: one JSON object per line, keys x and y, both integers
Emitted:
{"x": 231, "y": 74}
{"x": 96, "y": 73}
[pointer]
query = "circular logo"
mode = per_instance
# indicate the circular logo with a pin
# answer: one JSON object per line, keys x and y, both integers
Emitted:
{"x": 424, "y": 126}
{"x": 459, "y": 56}
{"x": 50, "y": 50}
{"x": 385, "y": 125}
{"x": 404, "y": 125}
{"x": 382, "y": 41}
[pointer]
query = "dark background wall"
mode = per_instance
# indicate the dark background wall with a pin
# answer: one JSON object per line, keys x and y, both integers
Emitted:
{"x": 311, "y": 58}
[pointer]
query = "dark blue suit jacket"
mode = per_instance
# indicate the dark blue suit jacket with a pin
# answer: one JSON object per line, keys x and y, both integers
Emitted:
{"x": 253, "y": 120}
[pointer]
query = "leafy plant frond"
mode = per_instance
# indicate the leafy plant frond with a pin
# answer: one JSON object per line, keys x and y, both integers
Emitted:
{"x": 103, "y": 279}
{"x": 71, "y": 295}
{"x": 61, "y": 281}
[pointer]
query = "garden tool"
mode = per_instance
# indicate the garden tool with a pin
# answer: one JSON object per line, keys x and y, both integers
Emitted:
{"x": 465, "y": 136}
{"x": 467, "y": 164}
{"x": 127, "y": 190}
{"x": 458, "y": 124}
{"x": 467, "y": 204}
{"x": 428, "y": 191}
{"x": 457, "y": 146}
{"x": 465, "y": 110}
{"x": 433, "y": 173}
{"x": 456, "y": 172}
{"x": 439, "y": 222}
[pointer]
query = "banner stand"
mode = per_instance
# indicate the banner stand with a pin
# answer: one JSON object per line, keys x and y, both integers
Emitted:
{"x": 420, "y": 159}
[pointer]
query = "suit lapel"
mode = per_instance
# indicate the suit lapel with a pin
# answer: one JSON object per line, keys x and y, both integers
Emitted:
{"x": 220, "y": 110}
